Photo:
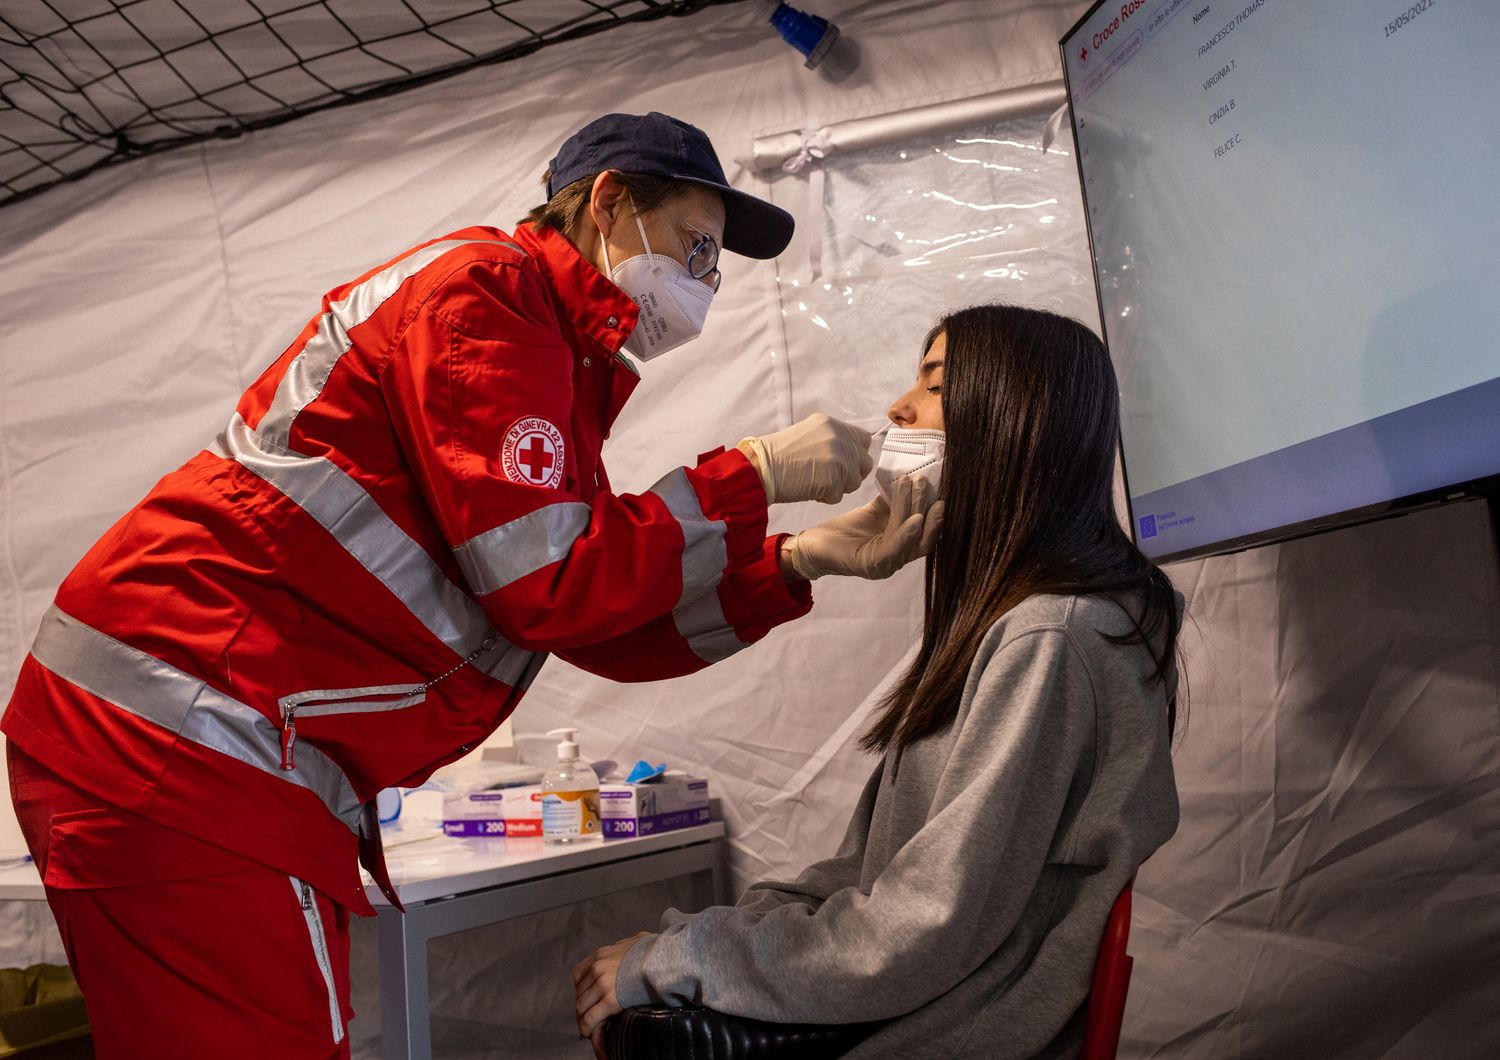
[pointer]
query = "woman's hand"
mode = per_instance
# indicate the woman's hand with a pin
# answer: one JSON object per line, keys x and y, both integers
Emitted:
{"x": 594, "y": 989}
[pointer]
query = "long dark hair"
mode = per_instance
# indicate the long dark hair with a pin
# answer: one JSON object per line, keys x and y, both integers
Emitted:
{"x": 1032, "y": 414}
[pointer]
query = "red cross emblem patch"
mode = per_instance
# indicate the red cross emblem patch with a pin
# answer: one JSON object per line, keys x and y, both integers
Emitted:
{"x": 533, "y": 453}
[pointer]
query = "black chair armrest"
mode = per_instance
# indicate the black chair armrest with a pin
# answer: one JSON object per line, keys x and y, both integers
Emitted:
{"x": 658, "y": 1032}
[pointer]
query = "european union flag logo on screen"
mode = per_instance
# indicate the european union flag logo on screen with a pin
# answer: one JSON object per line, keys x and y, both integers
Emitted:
{"x": 1148, "y": 526}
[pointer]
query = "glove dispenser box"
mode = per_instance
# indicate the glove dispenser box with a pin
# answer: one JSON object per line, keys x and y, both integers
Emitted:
{"x": 673, "y": 801}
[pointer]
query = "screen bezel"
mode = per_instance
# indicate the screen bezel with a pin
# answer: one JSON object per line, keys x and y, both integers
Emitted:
{"x": 1488, "y": 486}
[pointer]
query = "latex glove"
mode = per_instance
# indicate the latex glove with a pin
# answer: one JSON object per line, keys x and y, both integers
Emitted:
{"x": 874, "y": 541}
{"x": 819, "y": 459}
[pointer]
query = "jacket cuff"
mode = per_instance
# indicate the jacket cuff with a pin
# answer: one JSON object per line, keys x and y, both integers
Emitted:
{"x": 757, "y": 599}
{"x": 729, "y": 488}
{"x": 630, "y": 978}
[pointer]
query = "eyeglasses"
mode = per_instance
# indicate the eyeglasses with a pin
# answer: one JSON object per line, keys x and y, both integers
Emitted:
{"x": 703, "y": 259}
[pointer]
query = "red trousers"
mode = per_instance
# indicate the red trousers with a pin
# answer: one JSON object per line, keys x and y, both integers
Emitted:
{"x": 182, "y": 948}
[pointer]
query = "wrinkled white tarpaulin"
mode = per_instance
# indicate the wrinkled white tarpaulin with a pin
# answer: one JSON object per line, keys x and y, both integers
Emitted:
{"x": 1334, "y": 890}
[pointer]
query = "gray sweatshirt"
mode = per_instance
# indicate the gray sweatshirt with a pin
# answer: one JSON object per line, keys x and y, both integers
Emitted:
{"x": 968, "y": 898}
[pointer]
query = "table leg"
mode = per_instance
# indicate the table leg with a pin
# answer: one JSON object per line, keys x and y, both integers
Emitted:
{"x": 405, "y": 1028}
{"x": 721, "y": 875}
{"x": 711, "y": 885}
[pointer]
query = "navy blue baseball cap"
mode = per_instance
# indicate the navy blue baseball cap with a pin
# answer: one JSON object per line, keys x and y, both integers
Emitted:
{"x": 660, "y": 145}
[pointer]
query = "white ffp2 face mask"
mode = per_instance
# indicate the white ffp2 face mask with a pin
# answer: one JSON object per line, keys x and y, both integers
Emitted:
{"x": 906, "y": 451}
{"x": 673, "y": 303}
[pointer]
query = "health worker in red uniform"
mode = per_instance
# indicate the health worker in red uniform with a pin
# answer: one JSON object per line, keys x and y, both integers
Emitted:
{"x": 403, "y": 517}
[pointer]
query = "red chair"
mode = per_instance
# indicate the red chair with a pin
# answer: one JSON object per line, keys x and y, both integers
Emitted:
{"x": 1101, "y": 1035}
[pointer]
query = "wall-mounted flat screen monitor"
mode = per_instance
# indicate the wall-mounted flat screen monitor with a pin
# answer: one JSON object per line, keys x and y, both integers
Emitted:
{"x": 1294, "y": 212}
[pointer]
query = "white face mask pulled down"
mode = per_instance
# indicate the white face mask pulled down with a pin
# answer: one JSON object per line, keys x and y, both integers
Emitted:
{"x": 673, "y": 303}
{"x": 907, "y": 451}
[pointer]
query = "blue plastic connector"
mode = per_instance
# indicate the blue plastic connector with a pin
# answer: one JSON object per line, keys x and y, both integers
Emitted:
{"x": 809, "y": 34}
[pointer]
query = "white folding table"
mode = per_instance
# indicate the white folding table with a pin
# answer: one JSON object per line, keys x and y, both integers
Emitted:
{"x": 463, "y": 884}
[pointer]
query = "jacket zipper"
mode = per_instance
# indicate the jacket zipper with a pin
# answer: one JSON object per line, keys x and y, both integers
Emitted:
{"x": 322, "y": 702}
{"x": 314, "y": 918}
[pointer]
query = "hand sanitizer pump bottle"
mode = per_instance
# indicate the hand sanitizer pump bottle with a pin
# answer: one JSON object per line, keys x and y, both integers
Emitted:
{"x": 570, "y": 796}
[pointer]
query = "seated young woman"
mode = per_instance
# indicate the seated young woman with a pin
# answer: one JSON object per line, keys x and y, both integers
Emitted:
{"x": 1025, "y": 770}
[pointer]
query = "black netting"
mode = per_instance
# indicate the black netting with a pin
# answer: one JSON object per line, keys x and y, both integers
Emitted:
{"x": 85, "y": 83}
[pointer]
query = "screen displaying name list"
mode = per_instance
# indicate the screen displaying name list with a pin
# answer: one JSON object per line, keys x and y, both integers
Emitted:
{"x": 1297, "y": 245}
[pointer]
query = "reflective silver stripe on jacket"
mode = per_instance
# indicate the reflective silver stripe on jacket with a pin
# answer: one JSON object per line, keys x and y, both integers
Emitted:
{"x": 704, "y": 553}
{"x": 357, "y": 522}
{"x": 314, "y": 363}
{"x": 182, "y": 704}
{"x": 507, "y": 553}
{"x": 703, "y": 625}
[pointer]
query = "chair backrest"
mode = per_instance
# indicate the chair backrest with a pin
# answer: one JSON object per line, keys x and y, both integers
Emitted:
{"x": 1101, "y": 1035}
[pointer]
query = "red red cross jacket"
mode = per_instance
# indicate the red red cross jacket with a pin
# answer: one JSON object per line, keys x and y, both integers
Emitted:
{"x": 404, "y": 516}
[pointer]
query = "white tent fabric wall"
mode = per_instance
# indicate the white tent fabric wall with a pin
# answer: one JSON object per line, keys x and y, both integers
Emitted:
{"x": 1331, "y": 891}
